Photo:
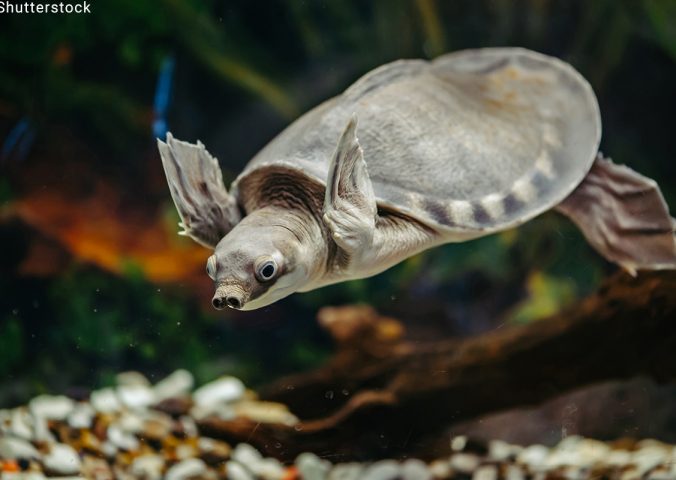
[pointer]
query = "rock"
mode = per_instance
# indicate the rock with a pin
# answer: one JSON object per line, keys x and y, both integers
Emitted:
{"x": 222, "y": 390}
{"x": 147, "y": 467}
{"x": 62, "y": 459}
{"x": 41, "y": 432}
{"x": 21, "y": 424}
{"x": 131, "y": 378}
{"x": 213, "y": 451}
{"x": 311, "y": 467}
{"x": 501, "y": 451}
{"x": 618, "y": 458}
{"x": 51, "y": 407}
{"x": 186, "y": 450}
{"x": 105, "y": 401}
{"x": 14, "y": 448}
{"x": 190, "y": 468}
{"x": 413, "y": 469}
{"x": 121, "y": 439}
{"x": 81, "y": 416}
{"x": 270, "y": 469}
{"x": 264, "y": 412}
{"x": 440, "y": 469}
{"x": 533, "y": 456}
{"x": 464, "y": 462}
{"x": 247, "y": 456}
{"x": 136, "y": 397}
{"x": 514, "y": 472}
{"x": 96, "y": 468}
{"x": 486, "y": 472}
{"x": 382, "y": 470}
{"x": 346, "y": 471}
{"x": 177, "y": 384}
{"x": 458, "y": 443}
{"x": 237, "y": 471}
{"x": 649, "y": 457}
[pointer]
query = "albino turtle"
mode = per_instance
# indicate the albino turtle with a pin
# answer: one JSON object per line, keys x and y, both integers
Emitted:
{"x": 469, "y": 144}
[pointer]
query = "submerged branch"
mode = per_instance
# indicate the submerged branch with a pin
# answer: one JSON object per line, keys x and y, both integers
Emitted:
{"x": 382, "y": 395}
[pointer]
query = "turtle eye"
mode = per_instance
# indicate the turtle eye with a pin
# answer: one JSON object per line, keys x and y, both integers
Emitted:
{"x": 211, "y": 267}
{"x": 266, "y": 270}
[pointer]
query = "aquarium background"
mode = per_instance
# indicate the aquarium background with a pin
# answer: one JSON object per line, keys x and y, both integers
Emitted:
{"x": 94, "y": 279}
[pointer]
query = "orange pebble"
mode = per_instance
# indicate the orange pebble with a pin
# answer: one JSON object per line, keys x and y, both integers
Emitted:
{"x": 10, "y": 466}
{"x": 291, "y": 473}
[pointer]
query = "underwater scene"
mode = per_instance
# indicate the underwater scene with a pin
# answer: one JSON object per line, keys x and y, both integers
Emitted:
{"x": 338, "y": 239}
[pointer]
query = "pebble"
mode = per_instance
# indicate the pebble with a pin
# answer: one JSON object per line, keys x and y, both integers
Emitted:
{"x": 21, "y": 424}
{"x": 62, "y": 459}
{"x": 501, "y": 451}
{"x": 440, "y": 469}
{"x": 147, "y": 467}
{"x": 41, "y": 431}
{"x": 136, "y": 397}
{"x": 17, "y": 448}
{"x": 105, "y": 401}
{"x": 247, "y": 456}
{"x": 190, "y": 468}
{"x": 131, "y": 378}
{"x": 486, "y": 472}
{"x": 264, "y": 412}
{"x": 223, "y": 390}
{"x": 346, "y": 471}
{"x": 270, "y": 469}
{"x": 382, "y": 470}
{"x": 213, "y": 451}
{"x": 177, "y": 384}
{"x": 414, "y": 469}
{"x": 514, "y": 472}
{"x": 51, "y": 407}
{"x": 464, "y": 462}
{"x": 122, "y": 439}
{"x": 237, "y": 471}
{"x": 311, "y": 467}
{"x": 534, "y": 456}
{"x": 81, "y": 416}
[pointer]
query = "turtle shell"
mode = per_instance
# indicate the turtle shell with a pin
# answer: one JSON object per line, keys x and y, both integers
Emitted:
{"x": 470, "y": 143}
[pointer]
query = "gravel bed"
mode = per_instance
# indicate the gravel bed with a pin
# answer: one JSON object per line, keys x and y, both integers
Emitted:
{"x": 132, "y": 431}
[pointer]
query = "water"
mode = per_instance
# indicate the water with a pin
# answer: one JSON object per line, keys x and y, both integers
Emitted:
{"x": 94, "y": 280}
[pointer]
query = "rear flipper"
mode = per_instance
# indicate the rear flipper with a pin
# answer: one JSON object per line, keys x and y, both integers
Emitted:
{"x": 624, "y": 216}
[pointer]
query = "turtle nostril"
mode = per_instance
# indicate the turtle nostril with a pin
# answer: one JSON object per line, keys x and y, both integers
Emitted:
{"x": 233, "y": 302}
{"x": 218, "y": 303}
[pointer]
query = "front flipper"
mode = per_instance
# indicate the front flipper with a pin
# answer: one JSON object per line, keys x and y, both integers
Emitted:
{"x": 350, "y": 204}
{"x": 624, "y": 216}
{"x": 195, "y": 180}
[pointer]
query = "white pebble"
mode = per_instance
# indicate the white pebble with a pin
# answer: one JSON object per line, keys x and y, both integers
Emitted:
{"x": 13, "y": 448}
{"x": 148, "y": 467}
{"x": 464, "y": 462}
{"x": 62, "y": 459}
{"x": 131, "y": 378}
{"x": 21, "y": 424}
{"x": 237, "y": 471}
{"x": 486, "y": 472}
{"x": 270, "y": 469}
{"x": 223, "y": 390}
{"x": 122, "y": 439}
{"x": 346, "y": 471}
{"x": 414, "y": 469}
{"x": 382, "y": 470}
{"x": 105, "y": 401}
{"x": 51, "y": 407}
{"x": 41, "y": 431}
{"x": 534, "y": 456}
{"x": 178, "y": 383}
{"x": 311, "y": 467}
{"x": 501, "y": 451}
{"x": 440, "y": 468}
{"x": 136, "y": 397}
{"x": 514, "y": 472}
{"x": 190, "y": 468}
{"x": 81, "y": 416}
{"x": 247, "y": 455}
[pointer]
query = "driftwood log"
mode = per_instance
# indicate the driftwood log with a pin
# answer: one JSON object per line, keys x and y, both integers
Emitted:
{"x": 381, "y": 395}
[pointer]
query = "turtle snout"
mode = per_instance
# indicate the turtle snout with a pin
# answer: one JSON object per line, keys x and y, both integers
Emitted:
{"x": 230, "y": 300}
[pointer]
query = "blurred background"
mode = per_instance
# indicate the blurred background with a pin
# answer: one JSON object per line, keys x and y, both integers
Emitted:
{"x": 94, "y": 279}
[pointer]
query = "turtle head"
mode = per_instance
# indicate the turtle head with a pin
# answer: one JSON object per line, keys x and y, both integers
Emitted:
{"x": 257, "y": 263}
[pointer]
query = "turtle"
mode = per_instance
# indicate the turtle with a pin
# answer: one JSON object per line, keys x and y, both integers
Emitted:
{"x": 413, "y": 155}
